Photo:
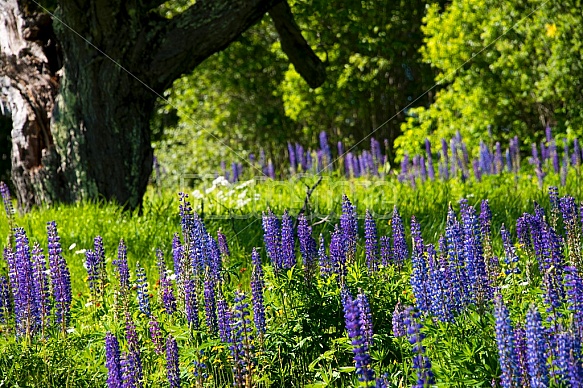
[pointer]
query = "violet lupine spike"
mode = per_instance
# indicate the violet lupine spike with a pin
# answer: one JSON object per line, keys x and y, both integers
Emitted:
{"x": 431, "y": 169}
{"x": 510, "y": 256}
{"x": 5, "y": 305}
{"x": 23, "y": 288}
{"x": 505, "y": 341}
{"x": 60, "y": 277}
{"x": 460, "y": 285}
{"x": 129, "y": 371}
{"x": 177, "y": 253}
{"x": 437, "y": 287}
{"x": 142, "y": 288}
{"x": 354, "y": 328}
{"x": 166, "y": 290}
{"x": 288, "y": 251}
{"x": 92, "y": 267}
{"x": 191, "y": 304}
{"x": 568, "y": 210}
{"x": 349, "y": 226}
{"x": 215, "y": 263}
{"x": 241, "y": 342}
{"x": 100, "y": 258}
{"x": 554, "y": 200}
{"x": 492, "y": 269}
{"x": 520, "y": 349}
{"x": 112, "y": 361}
{"x": 419, "y": 275}
{"x": 10, "y": 260}
{"x": 421, "y": 363}
{"x": 398, "y": 320}
{"x": 371, "y": 243}
{"x": 7, "y": 200}
{"x": 536, "y": 355}
{"x": 308, "y": 248}
{"x": 257, "y": 286}
{"x": 210, "y": 303}
{"x": 223, "y": 245}
{"x": 224, "y": 317}
{"x": 272, "y": 239}
{"x": 156, "y": 335}
{"x": 385, "y": 250}
{"x": 41, "y": 285}
{"x": 574, "y": 295}
{"x": 400, "y": 249}
{"x": 567, "y": 363}
{"x": 172, "y": 362}
{"x": 133, "y": 347}
{"x": 338, "y": 253}
{"x": 365, "y": 318}
{"x": 323, "y": 259}
{"x": 554, "y": 291}
{"x": 123, "y": 271}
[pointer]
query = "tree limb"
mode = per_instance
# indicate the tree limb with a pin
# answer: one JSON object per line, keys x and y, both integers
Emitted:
{"x": 205, "y": 28}
{"x": 299, "y": 52}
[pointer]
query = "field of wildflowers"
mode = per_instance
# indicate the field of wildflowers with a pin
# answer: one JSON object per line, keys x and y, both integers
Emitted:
{"x": 432, "y": 276}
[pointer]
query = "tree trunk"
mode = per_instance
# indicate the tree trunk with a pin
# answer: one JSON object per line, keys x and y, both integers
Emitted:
{"x": 81, "y": 88}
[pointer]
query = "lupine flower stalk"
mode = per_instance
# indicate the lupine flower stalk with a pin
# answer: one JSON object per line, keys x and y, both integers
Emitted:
{"x": 172, "y": 362}
{"x": 210, "y": 303}
{"x": 257, "y": 286}
{"x": 505, "y": 341}
{"x": 308, "y": 248}
{"x": 112, "y": 361}
{"x": 41, "y": 286}
{"x": 400, "y": 249}
{"x": 421, "y": 363}
{"x": 536, "y": 350}
{"x": 349, "y": 227}
{"x": 156, "y": 335}
{"x": 371, "y": 243}
{"x": 60, "y": 277}
{"x": 142, "y": 287}
{"x": 272, "y": 239}
{"x": 100, "y": 266}
{"x": 287, "y": 241}
{"x": 166, "y": 291}
{"x": 241, "y": 345}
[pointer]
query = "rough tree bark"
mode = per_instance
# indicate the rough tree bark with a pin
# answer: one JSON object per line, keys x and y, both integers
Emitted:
{"x": 80, "y": 120}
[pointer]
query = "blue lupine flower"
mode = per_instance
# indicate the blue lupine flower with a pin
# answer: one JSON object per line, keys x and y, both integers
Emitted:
{"x": 6, "y": 199}
{"x": 272, "y": 239}
{"x": 223, "y": 245}
{"x": 371, "y": 242}
{"x": 308, "y": 247}
{"x": 419, "y": 274}
{"x": 323, "y": 259}
{"x": 241, "y": 345}
{"x": 574, "y": 295}
{"x": 191, "y": 303}
{"x": 210, "y": 306}
{"x": 224, "y": 317}
{"x": 398, "y": 320}
{"x": 349, "y": 227}
{"x": 156, "y": 334}
{"x": 142, "y": 287}
{"x": 338, "y": 248}
{"x": 505, "y": 341}
{"x": 100, "y": 258}
{"x": 288, "y": 254}
{"x": 41, "y": 286}
{"x": 400, "y": 250}
{"x": 257, "y": 292}
{"x": 356, "y": 333}
{"x": 23, "y": 288}
{"x": 112, "y": 361}
{"x": 421, "y": 363}
{"x": 536, "y": 350}
{"x": 133, "y": 349}
{"x": 123, "y": 271}
{"x": 385, "y": 250}
{"x": 60, "y": 276}
{"x": 166, "y": 290}
{"x": 172, "y": 362}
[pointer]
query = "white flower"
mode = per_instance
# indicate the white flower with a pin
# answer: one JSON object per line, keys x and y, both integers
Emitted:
{"x": 72, "y": 246}
{"x": 71, "y": 330}
{"x": 210, "y": 189}
{"x": 220, "y": 181}
{"x": 81, "y": 252}
{"x": 242, "y": 194}
{"x": 197, "y": 194}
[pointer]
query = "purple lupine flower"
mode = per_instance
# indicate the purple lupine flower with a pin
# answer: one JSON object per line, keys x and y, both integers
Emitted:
{"x": 476, "y": 169}
{"x": 191, "y": 303}
{"x": 400, "y": 249}
{"x": 129, "y": 371}
{"x": 475, "y": 263}
{"x": 523, "y": 234}
{"x": 60, "y": 277}
{"x": 437, "y": 287}
{"x": 156, "y": 335}
{"x": 166, "y": 290}
{"x": 554, "y": 200}
{"x": 92, "y": 267}
{"x": 574, "y": 295}
{"x": 323, "y": 259}
{"x": 325, "y": 147}
{"x": 308, "y": 247}
{"x": 460, "y": 285}
{"x": 241, "y": 348}
{"x": 421, "y": 362}
{"x": 365, "y": 318}
{"x": 386, "y": 252}
{"x": 142, "y": 287}
{"x": 371, "y": 242}
{"x": 419, "y": 274}
{"x": 215, "y": 263}
{"x": 6, "y": 199}
{"x": 288, "y": 253}
{"x": 224, "y": 317}
{"x": 349, "y": 226}
{"x": 257, "y": 286}
{"x": 338, "y": 249}
{"x": 223, "y": 246}
{"x": 553, "y": 269}
{"x": 23, "y": 287}
{"x": 354, "y": 328}
{"x": 567, "y": 363}
{"x": 521, "y": 358}
{"x": 100, "y": 257}
{"x": 272, "y": 239}
{"x": 133, "y": 348}
{"x": 486, "y": 237}
{"x": 576, "y": 153}
{"x": 398, "y": 320}
{"x": 510, "y": 256}
{"x": 210, "y": 305}
{"x": 112, "y": 361}
{"x": 177, "y": 253}
{"x": 123, "y": 271}
{"x": 292, "y": 157}
{"x": 568, "y": 210}
{"x": 5, "y": 305}
{"x": 536, "y": 350}
{"x": 41, "y": 286}
{"x": 172, "y": 363}
{"x": 505, "y": 341}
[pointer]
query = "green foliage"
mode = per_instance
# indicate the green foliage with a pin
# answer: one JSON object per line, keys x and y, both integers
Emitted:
{"x": 249, "y": 96}
{"x": 514, "y": 71}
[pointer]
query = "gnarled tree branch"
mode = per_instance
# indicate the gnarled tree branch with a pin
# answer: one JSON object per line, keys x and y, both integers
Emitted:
{"x": 299, "y": 52}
